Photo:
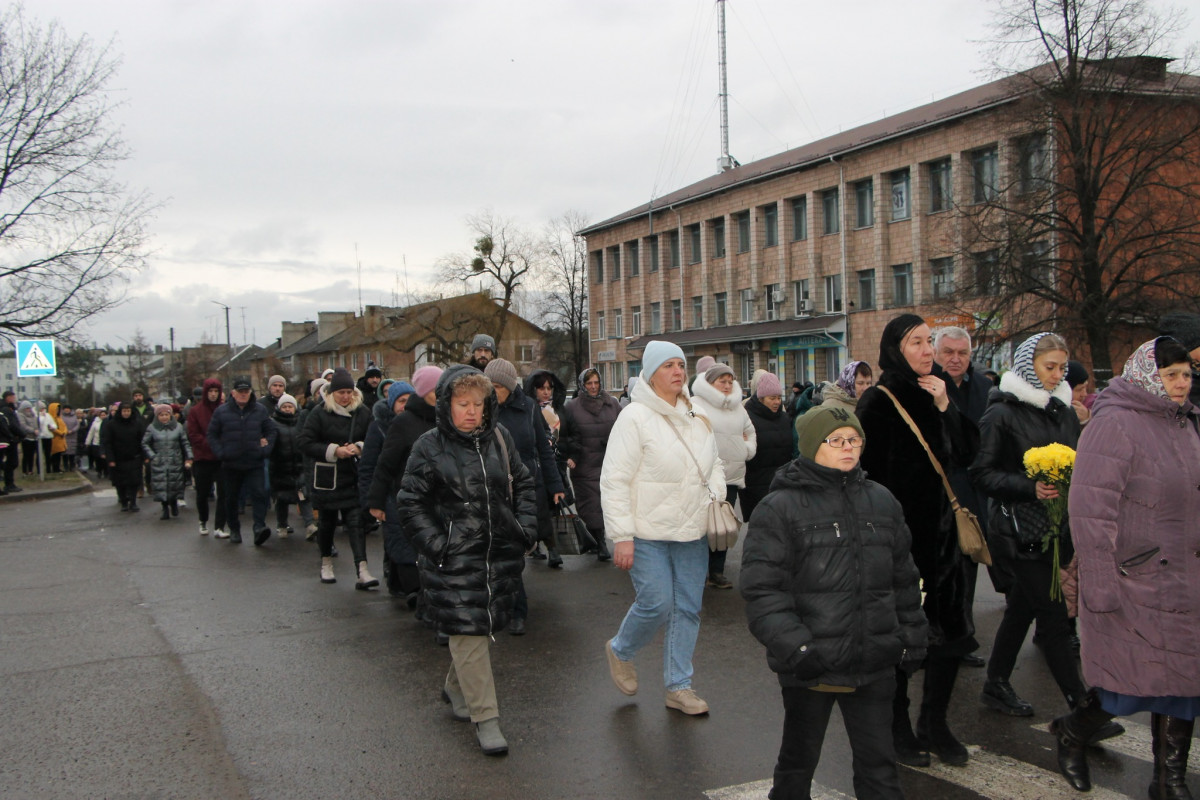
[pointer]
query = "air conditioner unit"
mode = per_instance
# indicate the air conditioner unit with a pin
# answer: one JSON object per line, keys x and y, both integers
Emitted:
{"x": 804, "y": 307}
{"x": 778, "y": 297}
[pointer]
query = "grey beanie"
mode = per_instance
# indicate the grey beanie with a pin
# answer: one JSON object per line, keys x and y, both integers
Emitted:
{"x": 483, "y": 342}
{"x": 502, "y": 372}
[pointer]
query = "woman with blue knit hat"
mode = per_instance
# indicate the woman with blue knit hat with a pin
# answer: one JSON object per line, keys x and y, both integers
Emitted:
{"x": 661, "y": 470}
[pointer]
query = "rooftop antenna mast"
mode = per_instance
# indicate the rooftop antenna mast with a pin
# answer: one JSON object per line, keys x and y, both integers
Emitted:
{"x": 726, "y": 161}
{"x": 359, "y": 261}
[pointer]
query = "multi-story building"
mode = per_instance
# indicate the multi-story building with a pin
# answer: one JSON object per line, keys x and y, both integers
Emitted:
{"x": 795, "y": 263}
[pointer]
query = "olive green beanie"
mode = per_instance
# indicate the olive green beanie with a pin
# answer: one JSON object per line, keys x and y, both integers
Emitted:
{"x": 817, "y": 423}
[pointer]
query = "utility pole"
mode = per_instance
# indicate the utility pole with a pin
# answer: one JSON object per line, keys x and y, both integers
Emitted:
{"x": 725, "y": 161}
{"x": 174, "y": 388}
{"x": 228, "y": 341}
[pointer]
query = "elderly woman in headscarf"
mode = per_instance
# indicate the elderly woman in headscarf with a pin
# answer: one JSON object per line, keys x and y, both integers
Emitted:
{"x": 583, "y": 437}
{"x": 895, "y": 457}
{"x": 1134, "y": 507}
{"x": 855, "y": 378}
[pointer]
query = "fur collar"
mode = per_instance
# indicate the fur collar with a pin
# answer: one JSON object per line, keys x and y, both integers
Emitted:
{"x": 714, "y": 397}
{"x": 1018, "y": 387}
{"x": 332, "y": 406}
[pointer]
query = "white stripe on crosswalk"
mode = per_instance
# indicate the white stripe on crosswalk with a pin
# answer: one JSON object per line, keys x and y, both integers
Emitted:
{"x": 758, "y": 791}
{"x": 1136, "y": 741}
{"x": 1001, "y": 778}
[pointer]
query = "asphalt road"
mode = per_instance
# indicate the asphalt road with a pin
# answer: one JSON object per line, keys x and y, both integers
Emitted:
{"x": 141, "y": 660}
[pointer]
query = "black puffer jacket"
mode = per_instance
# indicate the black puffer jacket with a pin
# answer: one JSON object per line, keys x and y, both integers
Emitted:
{"x": 1015, "y": 421}
{"x": 287, "y": 462}
{"x": 830, "y": 585}
{"x": 558, "y": 400}
{"x": 403, "y": 432}
{"x": 328, "y": 427}
{"x": 773, "y": 431}
{"x": 236, "y": 432}
{"x": 971, "y": 400}
{"x": 522, "y": 418}
{"x": 121, "y": 443}
{"x": 455, "y": 508}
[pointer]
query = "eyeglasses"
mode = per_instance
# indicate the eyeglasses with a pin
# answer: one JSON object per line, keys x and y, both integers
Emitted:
{"x": 838, "y": 442}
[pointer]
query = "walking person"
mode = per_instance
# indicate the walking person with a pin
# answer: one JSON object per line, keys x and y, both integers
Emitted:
{"x": 70, "y": 438}
{"x": 287, "y": 463}
{"x": 773, "y": 433}
{"x": 121, "y": 444}
{"x": 206, "y": 467}
{"x": 167, "y": 450}
{"x": 332, "y": 437}
{"x": 92, "y": 442}
{"x": 822, "y": 528}
{"x": 466, "y": 502}
{"x": 655, "y": 510}
{"x": 13, "y": 436}
{"x": 276, "y": 389}
{"x": 241, "y": 435}
{"x": 31, "y": 429}
{"x": 897, "y": 460}
{"x": 383, "y": 414}
{"x": 587, "y": 421}
{"x": 719, "y": 396}
{"x": 1031, "y": 408}
{"x": 1133, "y": 506}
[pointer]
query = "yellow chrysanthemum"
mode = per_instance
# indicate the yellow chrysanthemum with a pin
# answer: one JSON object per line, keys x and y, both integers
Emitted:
{"x": 1051, "y": 464}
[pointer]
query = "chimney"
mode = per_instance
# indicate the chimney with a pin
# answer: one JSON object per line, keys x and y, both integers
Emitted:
{"x": 331, "y": 323}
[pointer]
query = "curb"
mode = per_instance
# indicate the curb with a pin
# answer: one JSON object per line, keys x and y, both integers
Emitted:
{"x": 31, "y": 494}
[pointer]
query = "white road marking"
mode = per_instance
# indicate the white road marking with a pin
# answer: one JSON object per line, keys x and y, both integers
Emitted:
{"x": 1136, "y": 741}
{"x": 758, "y": 791}
{"x": 1001, "y": 778}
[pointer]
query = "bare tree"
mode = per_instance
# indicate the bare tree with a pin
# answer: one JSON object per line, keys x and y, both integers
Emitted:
{"x": 70, "y": 235}
{"x": 138, "y": 358}
{"x": 504, "y": 254}
{"x": 565, "y": 281}
{"x": 1093, "y": 229}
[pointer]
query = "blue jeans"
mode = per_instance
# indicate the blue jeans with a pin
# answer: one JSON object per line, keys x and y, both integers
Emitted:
{"x": 669, "y": 580}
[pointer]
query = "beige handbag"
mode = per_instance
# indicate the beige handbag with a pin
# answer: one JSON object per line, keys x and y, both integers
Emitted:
{"x": 721, "y": 522}
{"x": 970, "y": 534}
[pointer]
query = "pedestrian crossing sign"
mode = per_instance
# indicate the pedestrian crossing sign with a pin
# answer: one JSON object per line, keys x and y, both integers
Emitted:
{"x": 35, "y": 358}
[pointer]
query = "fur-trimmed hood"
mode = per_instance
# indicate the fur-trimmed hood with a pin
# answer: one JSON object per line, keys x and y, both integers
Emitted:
{"x": 701, "y": 388}
{"x": 1018, "y": 387}
{"x": 332, "y": 406}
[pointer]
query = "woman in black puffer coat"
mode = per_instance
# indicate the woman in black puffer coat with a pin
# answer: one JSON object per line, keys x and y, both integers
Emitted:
{"x": 332, "y": 437}
{"x": 287, "y": 467}
{"x": 467, "y": 504}
{"x": 773, "y": 431}
{"x": 121, "y": 444}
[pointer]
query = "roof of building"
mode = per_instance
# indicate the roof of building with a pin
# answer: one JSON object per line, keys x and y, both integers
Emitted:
{"x": 774, "y": 329}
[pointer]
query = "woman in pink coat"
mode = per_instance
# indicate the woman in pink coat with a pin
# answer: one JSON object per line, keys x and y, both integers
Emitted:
{"x": 1135, "y": 521}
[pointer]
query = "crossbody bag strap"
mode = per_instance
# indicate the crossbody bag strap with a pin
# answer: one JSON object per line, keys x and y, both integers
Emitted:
{"x": 679, "y": 436}
{"x": 933, "y": 459}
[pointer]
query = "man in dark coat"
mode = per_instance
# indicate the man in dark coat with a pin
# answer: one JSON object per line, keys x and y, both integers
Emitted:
{"x": 483, "y": 350}
{"x": 276, "y": 386}
{"x": 1185, "y": 329}
{"x": 241, "y": 434}
{"x": 969, "y": 393}
{"x": 10, "y": 434}
{"x": 368, "y": 384}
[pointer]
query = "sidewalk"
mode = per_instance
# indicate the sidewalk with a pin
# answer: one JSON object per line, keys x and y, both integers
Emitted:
{"x": 56, "y": 485}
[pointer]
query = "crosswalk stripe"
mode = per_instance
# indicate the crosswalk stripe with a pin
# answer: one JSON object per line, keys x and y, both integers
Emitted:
{"x": 1137, "y": 741}
{"x": 1001, "y": 778}
{"x": 758, "y": 791}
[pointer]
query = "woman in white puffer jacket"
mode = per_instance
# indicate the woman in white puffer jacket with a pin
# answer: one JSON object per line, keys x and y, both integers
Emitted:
{"x": 719, "y": 396}
{"x": 655, "y": 509}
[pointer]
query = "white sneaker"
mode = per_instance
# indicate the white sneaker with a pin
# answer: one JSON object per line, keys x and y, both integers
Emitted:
{"x": 182, "y": 503}
{"x": 282, "y": 533}
{"x": 220, "y": 534}
{"x": 310, "y": 533}
{"x": 204, "y": 529}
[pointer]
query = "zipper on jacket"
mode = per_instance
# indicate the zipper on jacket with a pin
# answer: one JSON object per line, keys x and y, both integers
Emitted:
{"x": 858, "y": 557}
{"x": 837, "y": 529}
{"x": 446, "y": 546}
{"x": 487, "y": 556}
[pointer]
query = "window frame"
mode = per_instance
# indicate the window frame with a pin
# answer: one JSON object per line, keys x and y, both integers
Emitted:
{"x": 770, "y": 225}
{"x": 867, "y": 301}
{"x": 864, "y": 204}
{"x": 743, "y": 227}
{"x": 800, "y": 220}
{"x": 901, "y": 184}
{"x": 720, "y": 309}
{"x": 694, "y": 244}
{"x": 831, "y": 223}
{"x": 941, "y": 185}
{"x": 985, "y": 174}
{"x": 835, "y": 300}
{"x": 718, "y": 229}
{"x": 942, "y": 278}
{"x": 902, "y": 272}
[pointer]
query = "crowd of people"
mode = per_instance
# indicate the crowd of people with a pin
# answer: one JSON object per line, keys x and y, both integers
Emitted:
{"x": 852, "y": 571}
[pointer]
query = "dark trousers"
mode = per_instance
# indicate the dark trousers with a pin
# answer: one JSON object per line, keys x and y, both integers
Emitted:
{"x": 867, "y": 713}
{"x": 127, "y": 494}
{"x": 28, "y": 456}
{"x": 1027, "y": 600}
{"x": 206, "y": 474}
{"x": 49, "y": 463}
{"x": 716, "y": 558}
{"x": 253, "y": 481}
{"x": 10, "y": 459}
{"x": 351, "y": 522}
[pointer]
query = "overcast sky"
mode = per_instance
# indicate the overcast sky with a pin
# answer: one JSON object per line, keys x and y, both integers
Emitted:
{"x": 278, "y": 136}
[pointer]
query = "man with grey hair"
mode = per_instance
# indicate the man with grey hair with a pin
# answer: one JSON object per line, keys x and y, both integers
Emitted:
{"x": 968, "y": 391}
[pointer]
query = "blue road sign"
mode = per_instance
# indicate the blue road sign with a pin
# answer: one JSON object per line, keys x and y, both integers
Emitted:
{"x": 35, "y": 358}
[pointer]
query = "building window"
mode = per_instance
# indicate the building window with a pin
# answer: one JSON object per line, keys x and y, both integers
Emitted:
{"x": 697, "y": 312}
{"x": 799, "y": 219}
{"x": 747, "y": 305}
{"x": 771, "y": 225}
{"x": 676, "y": 315}
{"x": 901, "y": 196}
{"x": 866, "y": 289}
{"x": 614, "y": 260}
{"x": 597, "y": 266}
{"x": 600, "y": 331}
{"x": 655, "y": 319}
{"x": 985, "y": 174}
{"x": 631, "y": 253}
{"x": 987, "y": 273}
{"x": 743, "y": 223}
{"x": 1036, "y": 269}
{"x": 803, "y": 303}
{"x": 833, "y": 294}
{"x": 525, "y": 353}
{"x": 354, "y": 362}
{"x": 774, "y": 300}
{"x": 694, "y": 238}
{"x": 902, "y": 285}
{"x": 635, "y": 368}
{"x": 721, "y": 301}
{"x": 673, "y": 240}
{"x": 864, "y": 204}
{"x": 943, "y": 277}
{"x": 718, "y": 229}
{"x": 655, "y": 263}
{"x": 829, "y": 210}
{"x": 618, "y": 325}
{"x": 1034, "y": 163}
{"x": 940, "y": 194}
{"x": 635, "y": 320}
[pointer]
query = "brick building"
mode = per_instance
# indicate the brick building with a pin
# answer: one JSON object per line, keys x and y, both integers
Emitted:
{"x": 795, "y": 263}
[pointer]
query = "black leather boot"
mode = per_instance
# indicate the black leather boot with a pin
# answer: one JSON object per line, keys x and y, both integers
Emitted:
{"x": 932, "y": 729}
{"x": 166, "y": 512}
{"x": 909, "y": 750}
{"x": 602, "y": 553}
{"x": 999, "y": 694}
{"x": 1171, "y": 745}
{"x": 1073, "y": 732}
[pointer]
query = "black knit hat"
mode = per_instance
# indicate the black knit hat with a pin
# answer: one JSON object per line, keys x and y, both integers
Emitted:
{"x": 341, "y": 379}
{"x": 1183, "y": 327}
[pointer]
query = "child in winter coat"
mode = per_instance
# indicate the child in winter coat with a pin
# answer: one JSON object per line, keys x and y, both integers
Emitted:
{"x": 168, "y": 452}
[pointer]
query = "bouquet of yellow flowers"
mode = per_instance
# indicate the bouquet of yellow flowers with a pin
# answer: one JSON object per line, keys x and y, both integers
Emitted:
{"x": 1052, "y": 465}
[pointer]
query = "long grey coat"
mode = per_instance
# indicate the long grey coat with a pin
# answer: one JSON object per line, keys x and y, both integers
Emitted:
{"x": 1135, "y": 519}
{"x": 167, "y": 447}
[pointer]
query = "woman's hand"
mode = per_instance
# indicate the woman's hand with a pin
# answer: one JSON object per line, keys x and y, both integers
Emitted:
{"x": 1081, "y": 411}
{"x": 1046, "y": 492}
{"x": 346, "y": 451}
{"x": 937, "y": 388}
{"x": 623, "y": 554}
{"x": 570, "y": 463}
{"x": 378, "y": 514}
